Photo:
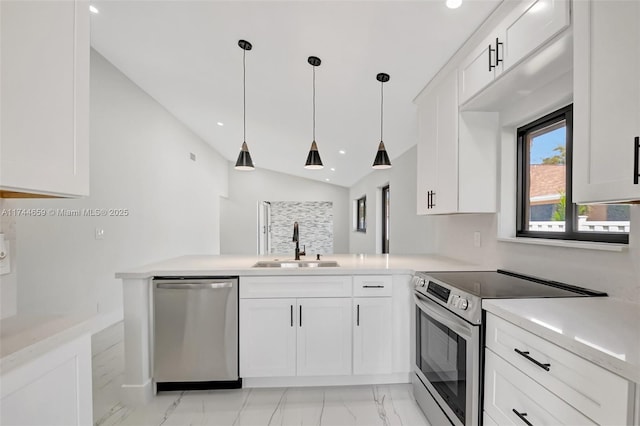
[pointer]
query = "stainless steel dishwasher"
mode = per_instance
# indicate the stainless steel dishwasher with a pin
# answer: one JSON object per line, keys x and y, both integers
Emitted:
{"x": 195, "y": 332}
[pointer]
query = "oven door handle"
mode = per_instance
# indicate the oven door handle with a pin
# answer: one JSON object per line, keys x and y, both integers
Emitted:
{"x": 446, "y": 318}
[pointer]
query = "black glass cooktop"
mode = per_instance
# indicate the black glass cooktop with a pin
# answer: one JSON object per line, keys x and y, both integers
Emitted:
{"x": 508, "y": 285}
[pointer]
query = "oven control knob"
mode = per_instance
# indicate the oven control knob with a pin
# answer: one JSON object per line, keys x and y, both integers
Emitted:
{"x": 463, "y": 304}
{"x": 422, "y": 283}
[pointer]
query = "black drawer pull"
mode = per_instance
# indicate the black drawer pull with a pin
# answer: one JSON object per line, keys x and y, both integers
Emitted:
{"x": 522, "y": 417}
{"x": 372, "y": 286}
{"x": 535, "y": 361}
{"x": 291, "y": 315}
{"x": 300, "y": 315}
{"x": 498, "y": 44}
{"x": 358, "y": 315}
{"x": 491, "y": 66}
{"x": 636, "y": 161}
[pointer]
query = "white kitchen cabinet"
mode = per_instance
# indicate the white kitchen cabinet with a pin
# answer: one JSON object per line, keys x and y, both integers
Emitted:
{"x": 606, "y": 104}
{"x": 554, "y": 386}
{"x": 457, "y": 155}
{"x": 528, "y": 27}
{"x": 295, "y": 337}
{"x": 324, "y": 337}
{"x": 372, "y": 335}
{"x": 268, "y": 337}
{"x": 53, "y": 389}
{"x": 438, "y": 149}
{"x": 44, "y": 135}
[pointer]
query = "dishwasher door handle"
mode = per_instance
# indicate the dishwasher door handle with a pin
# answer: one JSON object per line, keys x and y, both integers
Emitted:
{"x": 194, "y": 286}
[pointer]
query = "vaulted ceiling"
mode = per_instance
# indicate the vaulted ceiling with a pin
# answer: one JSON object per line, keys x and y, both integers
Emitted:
{"x": 185, "y": 54}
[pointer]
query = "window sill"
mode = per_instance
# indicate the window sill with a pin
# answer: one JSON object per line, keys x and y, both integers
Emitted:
{"x": 587, "y": 245}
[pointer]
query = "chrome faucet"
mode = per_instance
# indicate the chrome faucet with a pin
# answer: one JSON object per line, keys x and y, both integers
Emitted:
{"x": 296, "y": 239}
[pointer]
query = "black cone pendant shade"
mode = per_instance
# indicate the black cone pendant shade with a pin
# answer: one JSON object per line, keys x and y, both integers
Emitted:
{"x": 313, "y": 159}
{"x": 382, "y": 159}
{"x": 244, "y": 161}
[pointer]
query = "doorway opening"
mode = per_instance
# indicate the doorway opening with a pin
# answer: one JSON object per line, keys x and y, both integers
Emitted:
{"x": 385, "y": 218}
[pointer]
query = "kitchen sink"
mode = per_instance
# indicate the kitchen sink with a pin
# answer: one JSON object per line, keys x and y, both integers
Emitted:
{"x": 296, "y": 264}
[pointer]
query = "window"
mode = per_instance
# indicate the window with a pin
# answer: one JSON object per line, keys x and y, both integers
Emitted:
{"x": 385, "y": 219}
{"x": 545, "y": 208}
{"x": 361, "y": 214}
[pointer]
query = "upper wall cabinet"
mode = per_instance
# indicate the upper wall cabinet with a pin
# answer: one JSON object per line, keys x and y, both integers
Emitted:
{"x": 457, "y": 156}
{"x": 530, "y": 25}
{"x": 606, "y": 101}
{"x": 44, "y": 145}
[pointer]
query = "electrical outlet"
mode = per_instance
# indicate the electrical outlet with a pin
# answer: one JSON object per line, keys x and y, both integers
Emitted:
{"x": 99, "y": 233}
{"x": 477, "y": 239}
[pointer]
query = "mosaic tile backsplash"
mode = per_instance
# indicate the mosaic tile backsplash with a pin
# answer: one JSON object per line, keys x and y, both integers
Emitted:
{"x": 315, "y": 223}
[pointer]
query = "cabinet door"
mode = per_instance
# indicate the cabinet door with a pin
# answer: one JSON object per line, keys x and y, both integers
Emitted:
{"x": 606, "y": 100}
{"x": 426, "y": 157}
{"x": 531, "y": 25}
{"x": 324, "y": 337}
{"x": 372, "y": 335}
{"x": 476, "y": 72}
{"x": 268, "y": 337}
{"x": 445, "y": 197}
{"x": 45, "y": 97}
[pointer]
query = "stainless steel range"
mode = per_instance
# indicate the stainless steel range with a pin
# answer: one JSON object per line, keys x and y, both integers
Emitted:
{"x": 449, "y": 336}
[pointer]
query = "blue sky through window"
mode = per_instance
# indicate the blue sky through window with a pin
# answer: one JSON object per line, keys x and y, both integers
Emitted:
{"x": 542, "y": 146}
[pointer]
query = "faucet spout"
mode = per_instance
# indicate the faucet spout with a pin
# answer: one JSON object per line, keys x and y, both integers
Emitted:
{"x": 296, "y": 239}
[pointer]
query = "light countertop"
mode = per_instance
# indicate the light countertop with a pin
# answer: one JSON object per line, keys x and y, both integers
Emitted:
{"x": 350, "y": 264}
{"x": 603, "y": 330}
{"x": 26, "y": 337}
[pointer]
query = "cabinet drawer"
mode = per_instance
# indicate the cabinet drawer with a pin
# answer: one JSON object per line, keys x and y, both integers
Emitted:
{"x": 594, "y": 391}
{"x": 372, "y": 285}
{"x": 297, "y": 286}
{"x": 508, "y": 391}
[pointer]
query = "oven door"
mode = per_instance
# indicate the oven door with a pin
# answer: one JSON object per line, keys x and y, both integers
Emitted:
{"x": 448, "y": 360}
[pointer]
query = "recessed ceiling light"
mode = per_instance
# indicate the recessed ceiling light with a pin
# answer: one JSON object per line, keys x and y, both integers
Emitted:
{"x": 454, "y": 4}
{"x": 333, "y": 169}
{"x": 93, "y": 9}
{"x": 327, "y": 179}
{"x": 342, "y": 151}
{"x": 220, "y": 123}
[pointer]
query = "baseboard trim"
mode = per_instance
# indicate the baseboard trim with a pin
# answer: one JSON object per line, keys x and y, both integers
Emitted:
{"x": 377, "y": 379}
{"x": 135, "y": 395}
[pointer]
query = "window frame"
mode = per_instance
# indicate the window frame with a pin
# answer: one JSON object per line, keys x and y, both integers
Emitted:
{"x": 362, "y": 228}
{"x": 522, "y": 182}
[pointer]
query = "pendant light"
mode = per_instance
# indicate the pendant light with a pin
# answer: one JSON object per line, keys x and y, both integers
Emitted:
{"x": 313, "y": 159}
{"x": 244, "y": 158}
{"x": 382, "y": 159}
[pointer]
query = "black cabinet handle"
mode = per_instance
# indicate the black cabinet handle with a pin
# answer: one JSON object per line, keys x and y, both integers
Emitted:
{"x": 358, "y": 315}
{"x": 491, "y": 66}
{"x": 535, "y": 361}
{"x": 522, "y": 417}
{"x": 291, "y": 315}
{"x": 300, "y": 315}
{"x": 498, "y": 44}
{"x": 372, "y": 286}
{"x": 433, "y": 199}
{"x": 636, "y": 160}
{"x": 428, "y": 200}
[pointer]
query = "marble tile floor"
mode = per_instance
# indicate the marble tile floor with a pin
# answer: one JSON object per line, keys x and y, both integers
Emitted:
{"x": 384, "y": 405}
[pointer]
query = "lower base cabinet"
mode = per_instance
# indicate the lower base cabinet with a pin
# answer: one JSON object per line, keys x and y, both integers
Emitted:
{"x": 52, "y": 390}
{"x": 372, "y": 335}
{"x": 295, "y": 337}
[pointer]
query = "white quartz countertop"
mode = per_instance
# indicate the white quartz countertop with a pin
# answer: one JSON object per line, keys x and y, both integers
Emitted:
{"x": 603, "y": 330}
{"x": 26, "y": 337}
{"x": 351, "y": 264}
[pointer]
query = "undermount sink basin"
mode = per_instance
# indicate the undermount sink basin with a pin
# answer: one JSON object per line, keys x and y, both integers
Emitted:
{"x": 295, "y": 264}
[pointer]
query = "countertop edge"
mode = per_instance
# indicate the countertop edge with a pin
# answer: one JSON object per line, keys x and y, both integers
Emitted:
{"x": 253, "y": 272}
{"x": 600, "y": 358}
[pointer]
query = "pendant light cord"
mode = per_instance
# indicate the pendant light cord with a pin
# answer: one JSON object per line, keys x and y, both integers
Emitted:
{"x": 381, "y": 108}
{"x": 244, "y": 96}
{"x": 314, "y": 103}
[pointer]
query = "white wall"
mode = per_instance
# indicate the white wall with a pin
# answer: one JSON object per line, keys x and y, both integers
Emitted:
{"x": 8, "y": 282}
{"x": 140, "y": 162}
{"x": 409, "y": 233}
{"x": 239, "y": 214}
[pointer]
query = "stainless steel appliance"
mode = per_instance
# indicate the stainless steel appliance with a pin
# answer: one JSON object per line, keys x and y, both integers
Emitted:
{"x": 195, "y": 332}
{"x": 447, "y": 383}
